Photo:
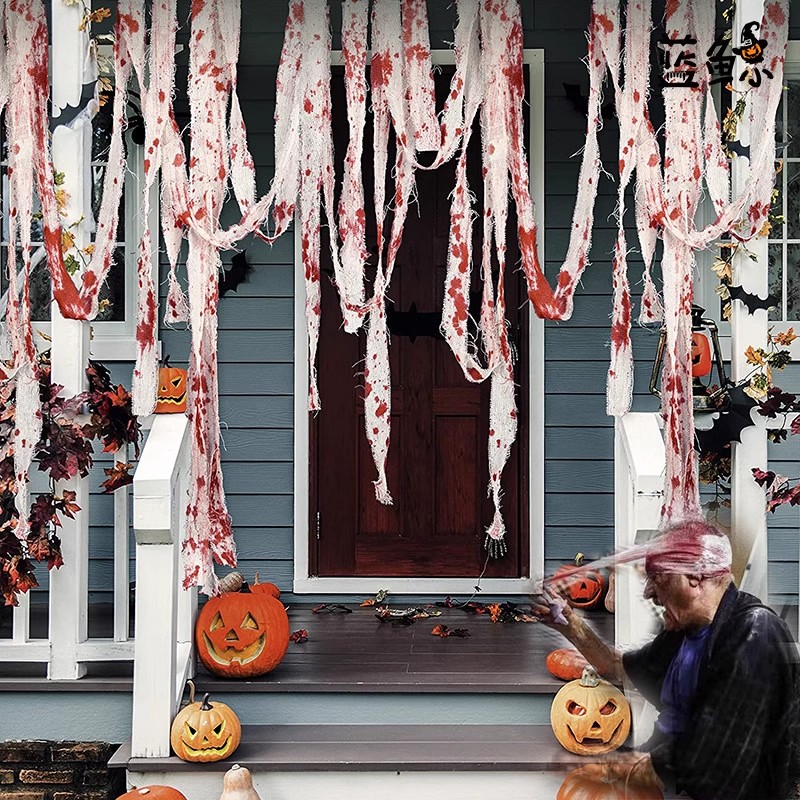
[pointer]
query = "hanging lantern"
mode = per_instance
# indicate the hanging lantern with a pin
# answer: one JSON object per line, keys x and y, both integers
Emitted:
{"x": 705, "y": 339}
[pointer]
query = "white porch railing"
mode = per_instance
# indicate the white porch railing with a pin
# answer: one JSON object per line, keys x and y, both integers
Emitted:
{"x": 165, "y": 612}
{"x": 68, "y": 648}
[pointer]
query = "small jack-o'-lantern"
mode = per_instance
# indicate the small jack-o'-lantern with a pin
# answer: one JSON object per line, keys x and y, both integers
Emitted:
{"x": 171, "y": 390}
{"x": 153, "y": 793}
{"x": 584, "y": 589}
{"x": 204, "y": 731}
{"x": 590, "y": 716}
{"x": 566, "y": 664}
{"x": 242, "y": 634}
{"x": 701, "y": 355}
{"x": 602, "y": 782}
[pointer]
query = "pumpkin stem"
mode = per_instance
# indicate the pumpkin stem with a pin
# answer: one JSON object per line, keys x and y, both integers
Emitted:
{"x": 579, "y": 559}
{"x": 166, "y": 361}
{"x": 192, "y": 689}
{"x": 258, "y": 579}
{"x": 205, "y": 705}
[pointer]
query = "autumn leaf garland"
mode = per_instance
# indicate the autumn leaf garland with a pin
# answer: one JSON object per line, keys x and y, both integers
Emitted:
{"x": 64, "y": 451}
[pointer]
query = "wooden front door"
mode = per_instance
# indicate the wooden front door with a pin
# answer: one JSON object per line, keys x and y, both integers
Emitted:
{"x": 437, "y": 467}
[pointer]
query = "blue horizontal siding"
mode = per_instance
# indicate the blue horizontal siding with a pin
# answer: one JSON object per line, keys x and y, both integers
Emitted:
{"x": 256, "y": 348}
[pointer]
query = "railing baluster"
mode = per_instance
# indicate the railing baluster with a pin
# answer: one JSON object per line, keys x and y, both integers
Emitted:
{"x": 21, "y": 631}
{"x": 121, "y": 556}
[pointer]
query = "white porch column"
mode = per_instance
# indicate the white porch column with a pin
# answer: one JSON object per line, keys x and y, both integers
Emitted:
{"x": 749, "y": 525}
{"x": 69, "y": 356}
{"x": 162, "y": 654}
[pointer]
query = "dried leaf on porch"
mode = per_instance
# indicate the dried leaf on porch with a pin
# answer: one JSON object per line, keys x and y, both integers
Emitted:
{"x": 444, "y": 632}
{"x": 331, "y": 608}
{"x": 299, "y": 636}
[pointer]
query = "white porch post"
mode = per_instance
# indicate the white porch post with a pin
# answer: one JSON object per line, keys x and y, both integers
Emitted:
{"x": 749, "y": 525}
{"x": 69, "y": 356}
{"x": 163, "y": 643}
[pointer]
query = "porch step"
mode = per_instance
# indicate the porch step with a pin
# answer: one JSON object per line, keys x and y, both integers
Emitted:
{"x": 365, "y": 762}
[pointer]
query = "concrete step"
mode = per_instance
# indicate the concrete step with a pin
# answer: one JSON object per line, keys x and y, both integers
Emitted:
{"x": 364, "y": 708}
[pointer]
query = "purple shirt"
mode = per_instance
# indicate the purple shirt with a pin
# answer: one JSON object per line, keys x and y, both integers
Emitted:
{"x": 680, "y": 683}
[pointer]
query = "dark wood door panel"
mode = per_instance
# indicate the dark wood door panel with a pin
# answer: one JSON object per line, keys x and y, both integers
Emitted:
{"x": 438, "y": 464}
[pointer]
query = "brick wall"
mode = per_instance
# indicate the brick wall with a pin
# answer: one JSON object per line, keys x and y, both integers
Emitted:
{"x": 58, "y": 771}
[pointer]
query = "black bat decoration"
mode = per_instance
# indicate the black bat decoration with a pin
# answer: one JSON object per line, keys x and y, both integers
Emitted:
{"x": 574, "y": 93}
{"x": 752, "y": 301}
{"x": 728, "y": 426}
{"x": 238, "y": 273}
{"x": 738, "y": 149}
{"x": 413, "y": 323}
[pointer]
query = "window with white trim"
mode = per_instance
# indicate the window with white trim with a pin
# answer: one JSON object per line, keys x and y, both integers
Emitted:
{"x": 783, "y": 248}
{"x": 784, "y": 239}
{"x": 114, "y": 328}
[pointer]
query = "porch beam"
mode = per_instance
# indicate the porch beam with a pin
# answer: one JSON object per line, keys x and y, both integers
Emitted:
{"x": 748, "y": 518}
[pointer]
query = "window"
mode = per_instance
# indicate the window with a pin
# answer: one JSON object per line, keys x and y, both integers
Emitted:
{"x": 783, "y": 248}
{"x": 784, "y": 240}
{"x": 114, "y": 328}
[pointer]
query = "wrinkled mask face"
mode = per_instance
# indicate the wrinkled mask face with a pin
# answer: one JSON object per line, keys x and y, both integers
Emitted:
{"x": 236, "y": 633}
{"x": 208, "y": 734}
{"x": 590, "y": 720}
{"x": 674, "y": 594}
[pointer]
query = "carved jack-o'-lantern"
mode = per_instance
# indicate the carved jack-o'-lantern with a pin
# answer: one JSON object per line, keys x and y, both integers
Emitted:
{"x": 590, "y": 716}
{"x": 171, "y": 390}
{"x": 205, "y": 732}
{"x": 584, "y": 589}
{"x": 701, "y": 355}
{"x": 242, "y": 634}
{"x": 602, "y": 782}
{"x": 153, "y": 793}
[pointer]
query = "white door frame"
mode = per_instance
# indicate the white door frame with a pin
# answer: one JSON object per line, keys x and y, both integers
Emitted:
{"x": 303, "y": 582}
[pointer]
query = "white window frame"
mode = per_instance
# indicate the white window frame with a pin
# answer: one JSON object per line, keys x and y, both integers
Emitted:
{"x": 706, "y": 282}
{"x": 305, "y": 583}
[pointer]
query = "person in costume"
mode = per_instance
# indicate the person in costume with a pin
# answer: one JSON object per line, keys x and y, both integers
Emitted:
{"x": 723, "y": 673}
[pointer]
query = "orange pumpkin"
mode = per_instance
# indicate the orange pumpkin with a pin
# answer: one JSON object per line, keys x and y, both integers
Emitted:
{"x": 584, "y": 589}
{"x": 171, "y": 390}
{"x": 566, "y": 663}
{"x": 153, "y": 793}
{"x": 264, "y": 588}
{"x": 242, "y": 634}
{"x": 203, "y": 732}
{"x": 701, "y": 355}
{"x": 600, "y": 782}
{"x": 590, "y": 716}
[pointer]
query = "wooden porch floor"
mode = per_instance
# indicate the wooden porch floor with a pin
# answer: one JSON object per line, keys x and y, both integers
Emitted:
{"x": 356, "y": 652}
